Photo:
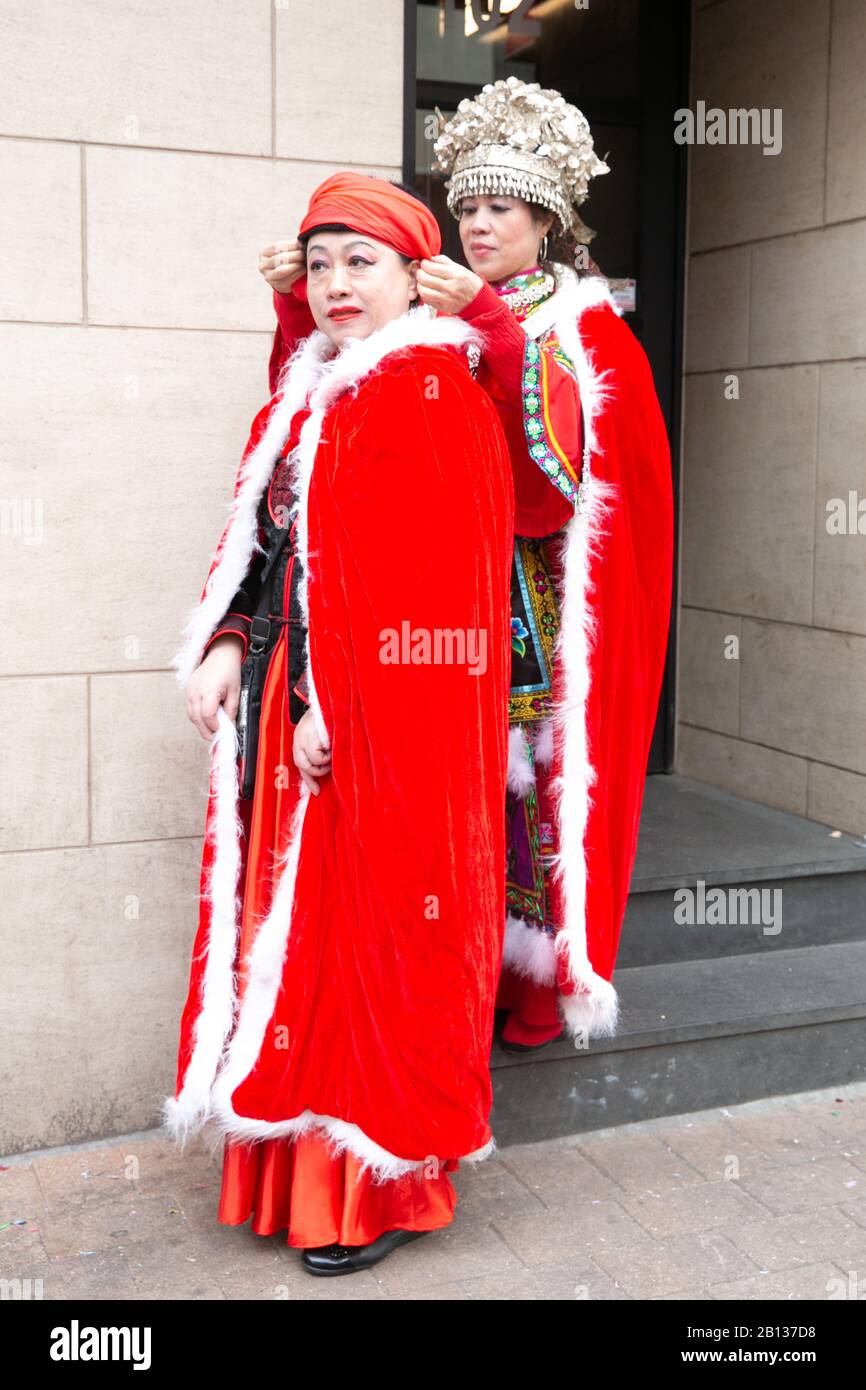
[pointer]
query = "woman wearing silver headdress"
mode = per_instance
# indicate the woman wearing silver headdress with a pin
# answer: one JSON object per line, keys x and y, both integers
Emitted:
{"x": 591, "y": 580}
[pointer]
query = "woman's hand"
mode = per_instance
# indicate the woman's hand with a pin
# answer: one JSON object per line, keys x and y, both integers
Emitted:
{"x": 282, "y": 264}
{"x": 445, "y": 285}
{"x": 217, "y": 681}
{"x": 312, "y": 757}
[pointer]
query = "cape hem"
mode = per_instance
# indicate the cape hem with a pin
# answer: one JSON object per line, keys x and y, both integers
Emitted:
{"x": 383, "y": 1165}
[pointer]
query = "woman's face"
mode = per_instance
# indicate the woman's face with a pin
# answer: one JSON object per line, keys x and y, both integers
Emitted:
{"x": 499, "y": 236}
{"x": 356, "y": 284}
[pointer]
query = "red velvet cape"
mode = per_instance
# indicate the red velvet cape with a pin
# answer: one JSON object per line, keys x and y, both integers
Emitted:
{"x": 364, "y": 1005}
{"x": 615, "y": 599}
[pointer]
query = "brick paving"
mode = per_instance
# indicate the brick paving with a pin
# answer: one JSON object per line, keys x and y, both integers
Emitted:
{"x": 759, "y": 1201}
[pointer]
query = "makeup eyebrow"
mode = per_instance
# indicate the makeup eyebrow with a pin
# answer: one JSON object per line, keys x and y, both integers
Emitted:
{"x": 318, "y": 246}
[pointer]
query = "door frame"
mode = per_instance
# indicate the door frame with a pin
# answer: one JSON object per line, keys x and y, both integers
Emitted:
{"x": 665, "y": 48}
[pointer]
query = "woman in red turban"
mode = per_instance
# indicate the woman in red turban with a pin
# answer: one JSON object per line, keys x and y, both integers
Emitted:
{"x": 340, "y": 1008}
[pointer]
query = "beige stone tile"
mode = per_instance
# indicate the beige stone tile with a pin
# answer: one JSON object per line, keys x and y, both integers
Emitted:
{"x": 800, "y": 1187}
{"x": 224, "y": 1264}
{"x": 786, "y": 1135}
{"x": 150, "y": 766}
{"x": 802, "y": 692}
{"x": 588, "y": 1229}
{"x": 813, "y": 1283}
{"x": 746, "y": 769}
{"x": 456, "y": 1252}
{"x": 128, "y": 462}
{"x": 842, "y": 1116}
{"x": 558, "y": 1176}
{"x": 91, "y": 1038}
{"x": 709, "y": 670}
{"x": 110, "y": 1225}
{"x": 749, "y": 494}
{"x": 801, "y": 1238}
{"x": 808, "y": 299}
{"x": 314, "y": 37}
{"x": 95, "y": 1277}
{"x": 496, "y": 1187}
{"x": 680, "y": 1210}
{"x": 636, "y": 1161}
{"x": 22, "y": 1253}
{"x": 578, "y": 1280}
{"x": 40, "y": 231}
{"x": 43, "y": 762}
{"x": 439, "y": 1292}
{"x": 717, "y": 327}
{"x": 837, "y": 798}
{"x": 154, "y": 74}
{"x": 712, "y": 1147}
{"x": 854, "y": 1211}
{"x": 766, "y": 56}
{"x": 160, "y": 1165}
{"x": 840, "y": 519}
{"x": 681, "y": 1264}
{"x": 173, "y": 240}
{"x": 846, "y": 167}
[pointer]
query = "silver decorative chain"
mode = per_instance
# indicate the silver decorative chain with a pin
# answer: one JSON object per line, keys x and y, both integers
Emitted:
{"x": 522, "y": 299}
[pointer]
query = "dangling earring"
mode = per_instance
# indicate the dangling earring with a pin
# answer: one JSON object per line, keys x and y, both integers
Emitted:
{"x": 542, "y": 253}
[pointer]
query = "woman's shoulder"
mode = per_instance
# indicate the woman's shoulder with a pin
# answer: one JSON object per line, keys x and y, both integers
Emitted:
{"x": 417, "y": 375}
{"x": 423, "y": 391}
{"x": 424, "y": 367}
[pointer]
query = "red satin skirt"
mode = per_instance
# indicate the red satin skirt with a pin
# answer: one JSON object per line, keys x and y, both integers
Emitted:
{"x": 297, "y": 1184}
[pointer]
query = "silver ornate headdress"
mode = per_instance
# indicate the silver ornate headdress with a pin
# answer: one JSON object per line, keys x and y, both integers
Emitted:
{"x": 520, "y": 138}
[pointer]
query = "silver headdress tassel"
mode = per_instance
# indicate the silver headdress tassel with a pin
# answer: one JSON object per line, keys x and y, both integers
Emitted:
{"x": 522, "y": 139}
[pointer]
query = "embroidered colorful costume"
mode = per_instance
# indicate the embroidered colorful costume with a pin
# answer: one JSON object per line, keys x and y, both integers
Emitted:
{"x": 591, "y": 592}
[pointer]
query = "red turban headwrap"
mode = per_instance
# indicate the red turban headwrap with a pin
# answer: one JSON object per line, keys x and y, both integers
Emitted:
{"x": 374, "y": 206}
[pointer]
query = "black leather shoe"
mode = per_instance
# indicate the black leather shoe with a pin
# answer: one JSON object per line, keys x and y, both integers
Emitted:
{"x": 345, "y": 1259}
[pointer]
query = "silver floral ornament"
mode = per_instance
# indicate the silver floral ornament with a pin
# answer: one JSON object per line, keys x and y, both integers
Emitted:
{"x": 519, "y": 138}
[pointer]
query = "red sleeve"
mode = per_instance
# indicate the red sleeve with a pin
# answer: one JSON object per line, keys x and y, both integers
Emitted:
{"x": 294, "y": 322}
{"x": 542, "y": 382}
{"x": 503, "y": 352}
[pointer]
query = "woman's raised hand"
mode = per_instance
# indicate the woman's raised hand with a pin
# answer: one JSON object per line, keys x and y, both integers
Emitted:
{"x": 217, "y": 681}
{"x": 445, "y": 285}
{"x": 312, "y": 757}
{"x": 282, "y": 264}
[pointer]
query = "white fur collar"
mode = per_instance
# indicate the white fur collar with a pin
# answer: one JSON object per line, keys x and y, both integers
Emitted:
{"x": 310, "y": 376}
{"x": 572, "y": 296}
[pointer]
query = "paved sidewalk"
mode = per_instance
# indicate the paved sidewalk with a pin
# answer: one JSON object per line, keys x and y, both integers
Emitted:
{"x": 758, "y": 1201}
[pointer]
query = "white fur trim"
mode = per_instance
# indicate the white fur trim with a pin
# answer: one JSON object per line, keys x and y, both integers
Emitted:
{"x": 241, "y": 535}
{"x": 529, "y": 951}
{"x": 542, "y": 751}
{"x": 205, "y": 1099}
{"x": 521, "y": 774}
{"x": 573, "y": 294}
{"x": 213, "y": 1024}
{"x": 595, "y": 1005}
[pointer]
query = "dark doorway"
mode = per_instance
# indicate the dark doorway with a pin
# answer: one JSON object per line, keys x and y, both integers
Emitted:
{"x": 624, "y": 63}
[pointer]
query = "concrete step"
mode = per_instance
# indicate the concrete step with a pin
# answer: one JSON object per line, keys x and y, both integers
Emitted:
{"x": 696, "y": 1034}
{"x": 812, "y": 879}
